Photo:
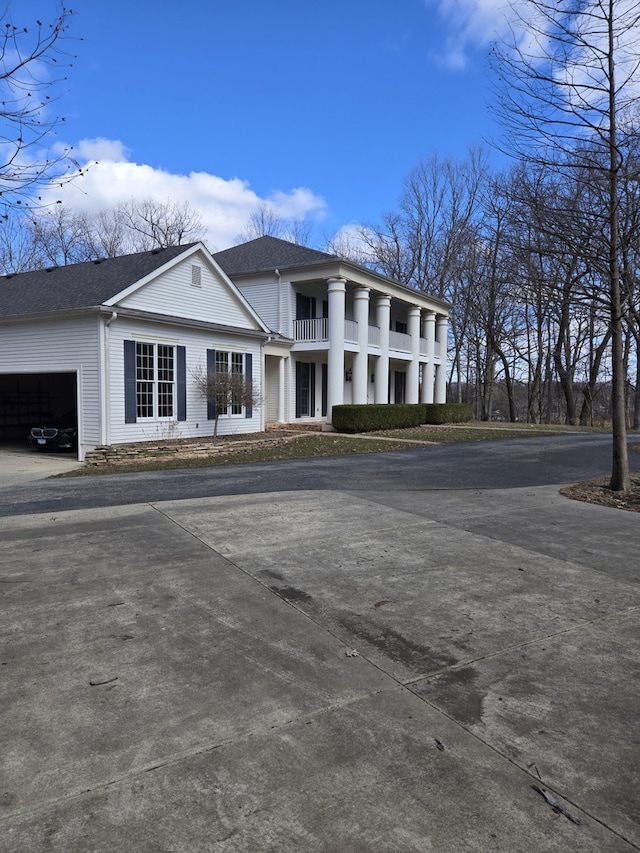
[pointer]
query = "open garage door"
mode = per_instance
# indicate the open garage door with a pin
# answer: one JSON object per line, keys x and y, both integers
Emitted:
{"x": 35, "y": 400}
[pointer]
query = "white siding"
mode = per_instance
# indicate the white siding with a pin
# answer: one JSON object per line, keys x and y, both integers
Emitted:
{"x": 60, "y": 347}
{"x": 196, "y": 343}
{"x": 264, "y": 300}
{"x": 173, "y": 294}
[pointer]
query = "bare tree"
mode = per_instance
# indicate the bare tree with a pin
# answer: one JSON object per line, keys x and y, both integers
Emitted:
{"x": 421, "y": 243}
{"x": 109, "y": 234}
{"x": 562, "y": 93}
{"x": 18, "y": 249}
{"x": 32, "y": 59}
{"x": 298, "y": 231}
{"x": 61, "y": 237}
{"x": 227, "y": 391}
{"x": 157, "y": 225}
{"x": 57, "y": 235}
{"x": 265, "y": 222}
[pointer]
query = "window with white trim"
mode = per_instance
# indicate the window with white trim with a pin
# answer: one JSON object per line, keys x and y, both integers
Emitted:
{"x": 155, "y": 380}
{"x": 231, "y": 363}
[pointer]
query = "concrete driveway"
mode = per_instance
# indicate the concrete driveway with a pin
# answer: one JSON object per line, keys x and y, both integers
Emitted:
{"x": 21, "y": 465}
{"x": 322, "y": 671}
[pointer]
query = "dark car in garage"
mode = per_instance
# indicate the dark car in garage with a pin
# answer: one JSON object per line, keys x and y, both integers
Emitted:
{"x": 53, "y": 437}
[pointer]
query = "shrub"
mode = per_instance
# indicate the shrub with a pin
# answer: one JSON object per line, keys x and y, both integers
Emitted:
{"x": 448, "y": 413}
{"x": 374, "y": 416}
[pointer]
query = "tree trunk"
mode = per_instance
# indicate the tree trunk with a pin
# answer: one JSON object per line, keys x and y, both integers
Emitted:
{"x": 620, "y": 478}
{"x": 636, "y": 396}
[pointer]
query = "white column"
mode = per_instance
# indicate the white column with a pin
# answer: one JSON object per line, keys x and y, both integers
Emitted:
{"x": 442, "y": 324}
{"x": 413, "y": 372}
{"x": 381, "y": 375}
{"x": 282, "y": 361}
{"x": 428, "y": 369}
{"x": 335, "y": 357}
{"x": 361, "y": 358}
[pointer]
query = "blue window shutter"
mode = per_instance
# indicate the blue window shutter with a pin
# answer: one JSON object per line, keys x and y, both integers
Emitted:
{"x": 325, "y": 386}
{"x": 130, "y": 382}
{"x": 298, "y": 389}
{"x": 211, "y": 366}
{"x": 312, "y": 381}
{"x": 248, "y": 378}
{"x": 181, "y": 359}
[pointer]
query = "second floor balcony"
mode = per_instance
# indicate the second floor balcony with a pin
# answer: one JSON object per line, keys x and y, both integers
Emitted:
{"x": 317, "y": 331}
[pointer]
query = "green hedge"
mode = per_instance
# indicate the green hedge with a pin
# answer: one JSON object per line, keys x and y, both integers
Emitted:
{"x": 448, "y": 413}
{"x": 369, "y": 417}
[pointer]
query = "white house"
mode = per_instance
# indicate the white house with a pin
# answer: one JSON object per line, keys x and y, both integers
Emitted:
{"x": 340, "y": 332}
{"x": 116, "y": 343}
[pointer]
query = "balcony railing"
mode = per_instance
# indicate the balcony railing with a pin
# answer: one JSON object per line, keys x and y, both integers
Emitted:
{"x": 317, "y": 331}
{"x": 351, "y": 331}
{"x": 399, "y": 341}
{"x": 423, "y": 348}
{"x": 311, "y": 330}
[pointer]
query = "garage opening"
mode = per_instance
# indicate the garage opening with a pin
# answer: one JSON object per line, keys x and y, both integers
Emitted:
{"x": 36, "y": 400}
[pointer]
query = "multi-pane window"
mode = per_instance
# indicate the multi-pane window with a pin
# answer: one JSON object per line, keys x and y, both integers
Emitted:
{"x": 155, "y": 380}
{"x": 231, "y": 365}
{"x": 166, "y": 378}
{"x": 237, "y": 369}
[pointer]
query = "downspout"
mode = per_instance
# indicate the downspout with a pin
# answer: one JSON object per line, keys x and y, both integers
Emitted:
{"x": 277, "y": 272}
{"x": 105, "y": 432}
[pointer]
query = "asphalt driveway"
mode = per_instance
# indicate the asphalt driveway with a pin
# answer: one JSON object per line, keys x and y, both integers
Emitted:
{"x": 367, "y": 665}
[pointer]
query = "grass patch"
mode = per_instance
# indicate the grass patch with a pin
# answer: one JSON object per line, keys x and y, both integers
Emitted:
{"x": 304, "y": 447}
{"x": 318, "y": 444}
{"x": 484, "y": 431}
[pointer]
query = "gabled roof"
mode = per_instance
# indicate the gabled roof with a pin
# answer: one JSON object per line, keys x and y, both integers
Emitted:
{"x": 268, "y": 253}
{"x": 77, "y": 286}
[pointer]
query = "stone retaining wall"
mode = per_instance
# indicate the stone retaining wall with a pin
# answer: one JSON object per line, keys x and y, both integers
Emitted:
{"x": 127, "y": 454}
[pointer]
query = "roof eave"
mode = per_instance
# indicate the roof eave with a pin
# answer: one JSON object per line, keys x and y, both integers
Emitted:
{"x": 341, "y": 267}
{"x": 133, "y": 314}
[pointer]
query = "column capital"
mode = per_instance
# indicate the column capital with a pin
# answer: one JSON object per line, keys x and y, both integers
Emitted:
{"x": 383, "y": 300}
{"x": 414, "y": 311}
{"x": 338, "y": 283}
{"x": 361, "y": 293}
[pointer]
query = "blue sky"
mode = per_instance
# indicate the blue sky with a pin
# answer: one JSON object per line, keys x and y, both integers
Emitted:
{"x": 318, "y": 109}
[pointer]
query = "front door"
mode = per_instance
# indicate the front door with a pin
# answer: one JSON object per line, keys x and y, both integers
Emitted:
{"x": 305, "y": 389}
{"x": 400, "y": 388}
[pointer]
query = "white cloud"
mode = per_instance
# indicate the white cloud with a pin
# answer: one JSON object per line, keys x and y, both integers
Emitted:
{"x": 471, "y": 24}
{"x": 225, "y": 205}
{"x": 101, "y": 149}
{"x": 474, "y": 24}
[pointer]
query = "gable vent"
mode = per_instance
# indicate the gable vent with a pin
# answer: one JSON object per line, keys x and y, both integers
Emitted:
{"x": 196, "y": 275}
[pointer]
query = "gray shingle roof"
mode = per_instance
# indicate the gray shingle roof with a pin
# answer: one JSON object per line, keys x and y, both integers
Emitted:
{"x": 268, "y": 253}
{"x": 78, "y": 285}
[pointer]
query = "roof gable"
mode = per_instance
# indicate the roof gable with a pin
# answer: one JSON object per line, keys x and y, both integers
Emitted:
{"x": 171, "y": 291}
